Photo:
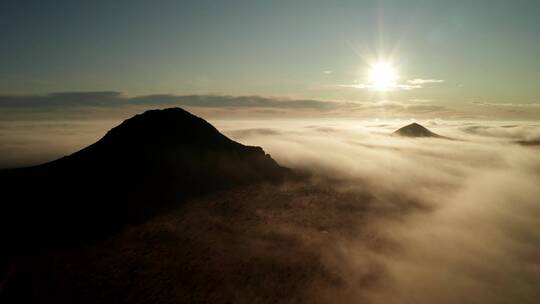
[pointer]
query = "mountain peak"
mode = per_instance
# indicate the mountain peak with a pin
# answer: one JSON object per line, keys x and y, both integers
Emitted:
{"x": 415, "y": 130}
{"x": 167, "y": 127}
{"x": 171, "y": 142}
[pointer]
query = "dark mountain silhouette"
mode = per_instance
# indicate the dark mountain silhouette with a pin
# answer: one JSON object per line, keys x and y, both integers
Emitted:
{"x": 415, "y": 130}
{"x": 148, "y": 164}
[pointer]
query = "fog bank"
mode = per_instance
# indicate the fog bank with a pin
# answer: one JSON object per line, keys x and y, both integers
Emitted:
{"x": 383, "y": 219}
{"x": 462, "y": 214}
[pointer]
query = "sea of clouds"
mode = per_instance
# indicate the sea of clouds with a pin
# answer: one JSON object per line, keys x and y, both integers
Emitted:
{"x": 438, "y": 220}
{"x": 463, "y": 214}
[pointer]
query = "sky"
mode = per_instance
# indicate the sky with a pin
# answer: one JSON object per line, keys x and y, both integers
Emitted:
{"x": 443, "y": 52}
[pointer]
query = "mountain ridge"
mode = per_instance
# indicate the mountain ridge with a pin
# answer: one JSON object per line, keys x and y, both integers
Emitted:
{"x": 146, "y": 165}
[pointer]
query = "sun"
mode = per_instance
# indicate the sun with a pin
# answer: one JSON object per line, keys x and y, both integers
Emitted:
{"x": 382, "y": 76}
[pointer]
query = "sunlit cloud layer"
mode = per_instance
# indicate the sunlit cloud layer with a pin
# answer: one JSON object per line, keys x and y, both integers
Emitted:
{"x": 395, "y": 216}
{"x": 424, "y": 81}
{"x": 411, "y": 84}
{"x": 449, "y": 220}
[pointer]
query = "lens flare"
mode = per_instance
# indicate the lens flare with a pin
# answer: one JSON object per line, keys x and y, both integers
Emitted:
{"x": 382, "y": 76}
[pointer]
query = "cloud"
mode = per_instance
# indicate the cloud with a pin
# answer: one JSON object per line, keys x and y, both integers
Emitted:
{"x": 420, "y": 100}
{"x": 516, "y": 132}
{"x": 419, "y": 81}
{"x": 518, "y": 105}
{"x": 116, "y": 105}
{"x": 406, "y": 87}
{"x": 382, "y": 219}
{"x": 429, "y": 220}
{"x": 61, "y": 99}
{"x": 412, "y": 84}
{"x": 30, "y": 142}
{"x": 110, "y": 105}
{"x": 72, "y": 99}
{"x": 328, "y": 72}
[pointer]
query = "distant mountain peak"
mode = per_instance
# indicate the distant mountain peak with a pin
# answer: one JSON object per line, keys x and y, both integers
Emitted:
{"x": 415, "y": 130}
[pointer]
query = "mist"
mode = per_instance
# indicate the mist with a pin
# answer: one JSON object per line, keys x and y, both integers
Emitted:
{"x": 382, "y": 219}
{"x": 449, "y": 221}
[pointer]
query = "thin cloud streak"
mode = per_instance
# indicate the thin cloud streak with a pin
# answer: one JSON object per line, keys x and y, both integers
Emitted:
{"x": 411, "y": 84}
{"x": 116, "y": 105}
{"x": 424, "y": 81}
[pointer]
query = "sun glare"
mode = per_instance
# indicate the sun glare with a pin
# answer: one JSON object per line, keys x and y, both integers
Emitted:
{"x": 382, "y": 76}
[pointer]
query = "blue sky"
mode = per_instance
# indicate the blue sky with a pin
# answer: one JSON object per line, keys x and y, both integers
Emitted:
{"x": 481, "y": 51}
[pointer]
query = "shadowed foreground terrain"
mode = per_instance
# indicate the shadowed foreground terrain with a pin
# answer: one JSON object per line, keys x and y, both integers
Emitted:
{"x": 260, "y": 244}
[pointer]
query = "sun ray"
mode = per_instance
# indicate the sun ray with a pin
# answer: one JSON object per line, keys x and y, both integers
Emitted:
{"x": 382, "y": 77}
